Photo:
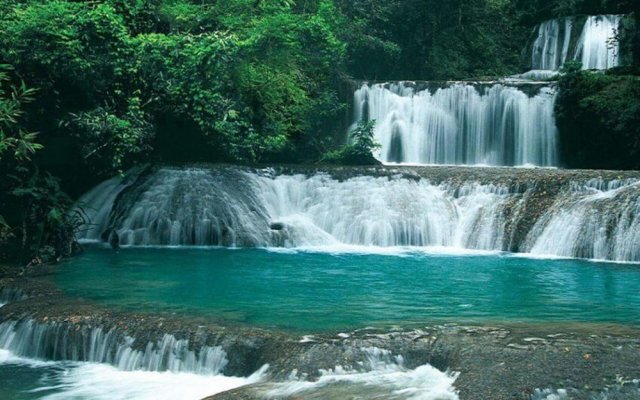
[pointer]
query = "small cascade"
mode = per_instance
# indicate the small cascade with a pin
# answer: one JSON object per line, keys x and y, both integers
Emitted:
{"x": 560, "y": 40}
{"x": 62, "y": 342}
{"x": 10, "y": 295}
{"x": 192, "y": 206}
{"x": 380, "y": 375}
{"x": 95, "y": 206}
{"x": 460, "y": 124}
{"x": 595, "y": 220}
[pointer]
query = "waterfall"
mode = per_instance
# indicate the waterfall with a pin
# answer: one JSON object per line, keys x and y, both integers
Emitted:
{"x": 62, "y": 342}
{"x": 192, "y": 206}
{"x": 597, "y": 48}
{"x": 237, "y": 207}
{"x": 558, "y": 41}
{"x": 549, "y": 51}
{"x": 233, "y": 207}
{"x": 367, "y": 211}
{"x": 460, "y": 124}
{"x": 596, "y": 220}
{"x": 95, "y": 206}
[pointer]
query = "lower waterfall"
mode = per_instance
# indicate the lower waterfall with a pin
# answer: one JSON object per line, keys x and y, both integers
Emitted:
{"x": 93, "y": 363}
{"x": 60, "y": 342}
{"x": 8, "y": 295}
{"x": 238, "y": 207}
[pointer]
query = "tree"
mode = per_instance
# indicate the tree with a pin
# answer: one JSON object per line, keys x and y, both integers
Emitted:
{"x": 360, "y": 150}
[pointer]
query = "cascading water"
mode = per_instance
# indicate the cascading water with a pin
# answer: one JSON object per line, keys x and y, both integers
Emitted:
{"x": 232, "y": 207}
{"x": 460, "y": 124}
{"x": 494, "y": 123}
{"x": 551, "y": 46}
{"x": 76, "y": 361}
{"x": 597, "y": 47}
{"x": 596, "y": 220}
{"x": 229, "y": 206}
{"x": 9, "y": 295}
{"x": 96, "y": 205}
{"x": 61, "y": 342}
{"x": 85, "y": 362}
{"x": 560, "y": 40}
{"x": 382, "y": 370}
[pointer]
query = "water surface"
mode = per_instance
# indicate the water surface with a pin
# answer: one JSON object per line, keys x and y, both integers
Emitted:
{"x": 315, "y": 291}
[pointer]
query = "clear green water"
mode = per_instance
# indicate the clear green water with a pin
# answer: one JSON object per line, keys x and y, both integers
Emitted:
{"x": 319, "y": 291}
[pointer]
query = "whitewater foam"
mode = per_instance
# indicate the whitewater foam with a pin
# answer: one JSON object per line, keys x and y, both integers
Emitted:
{"x": 382, "y": 375}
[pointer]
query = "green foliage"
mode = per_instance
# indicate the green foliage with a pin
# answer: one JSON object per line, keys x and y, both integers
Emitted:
{"x": 255, "y": 81}
{"x": 599, "y": 120}
{"x": 432, "y": 39}
{"x": 34, "y": 222}
{"x": 43, "y": 226}
{"x": 72, "y": 52}
{"x": 359, "y": 151}
{"x": 107, "y": 140}
{"x": 14, "y": 138}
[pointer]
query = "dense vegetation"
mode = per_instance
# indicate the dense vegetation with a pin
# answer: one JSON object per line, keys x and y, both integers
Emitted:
{"x": 599, "y": 117}
{"x": 87, "y": 89}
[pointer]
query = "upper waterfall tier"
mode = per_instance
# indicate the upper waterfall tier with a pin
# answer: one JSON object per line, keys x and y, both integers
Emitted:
{"x": 461, "y": 123}
{"x": 590, "y": 42}
{"x": 539, "y": 211}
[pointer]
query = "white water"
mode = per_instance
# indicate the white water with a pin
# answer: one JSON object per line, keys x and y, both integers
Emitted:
{"x": 236, "y": 210}
{"x": 537, "y": 75}
{"x": 234, "y": 207}
{"x": 95, "y": 205}
{"x": 381, "y": 374}
{"x": 597, "y": 220}
{"x": 460, "y": 124}
{"x": 88, "y": 364}
{"x": 92, "y": 364}
{"x": 551, "y": 47}
{"x": 597, "y": 48}
{"x": 561, "y": 40}
{"x": 57, "y": 342}
{"x": 90, "y": 381}
{"x": 104, "y": 382}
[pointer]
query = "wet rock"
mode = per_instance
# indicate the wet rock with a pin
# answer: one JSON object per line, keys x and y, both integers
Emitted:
{"x": 277, "y": 226}
{"x": 114, "y": 240}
